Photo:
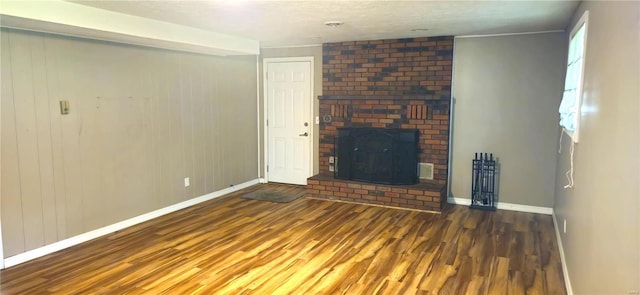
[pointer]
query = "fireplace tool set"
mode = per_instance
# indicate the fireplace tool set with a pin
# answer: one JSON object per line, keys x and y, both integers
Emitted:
{"x": 483, "y": 182}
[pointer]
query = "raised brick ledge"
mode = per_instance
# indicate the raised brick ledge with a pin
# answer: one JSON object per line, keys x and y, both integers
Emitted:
{"x": 422, "y": 196}
{"x": 387, "y": 97}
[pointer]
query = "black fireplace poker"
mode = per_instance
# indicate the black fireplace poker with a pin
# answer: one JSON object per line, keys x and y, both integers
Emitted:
{"x": 483, "y": 182}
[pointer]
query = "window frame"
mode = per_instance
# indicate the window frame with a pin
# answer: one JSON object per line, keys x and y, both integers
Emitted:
{"x": 582, "y": 21}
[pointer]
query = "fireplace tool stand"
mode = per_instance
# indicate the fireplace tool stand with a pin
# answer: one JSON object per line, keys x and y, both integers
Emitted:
{"x": 483, "y": 182}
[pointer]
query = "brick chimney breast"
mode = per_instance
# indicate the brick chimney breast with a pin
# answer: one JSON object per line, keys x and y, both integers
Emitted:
{"x": 397, "y": 83}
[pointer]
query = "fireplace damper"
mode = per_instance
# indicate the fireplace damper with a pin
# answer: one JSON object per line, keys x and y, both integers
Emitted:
{"x": 377, "y": 155}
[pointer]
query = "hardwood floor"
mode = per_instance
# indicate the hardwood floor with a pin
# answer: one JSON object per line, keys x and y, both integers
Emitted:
{"x": 238, "y": 246}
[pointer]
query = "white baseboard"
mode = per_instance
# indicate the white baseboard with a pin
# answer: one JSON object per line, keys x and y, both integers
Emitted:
{"x": 81, "y": 238}
{"x": 565, "y": 272}
{"x": 507, "y": 206}
{"x": 262, "y": 180}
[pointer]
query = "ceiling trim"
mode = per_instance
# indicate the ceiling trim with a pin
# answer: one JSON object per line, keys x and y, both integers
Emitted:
{"x": 292, "y": 46}
{"x": 66, "y": 18}
{"x": 510, "y": 34}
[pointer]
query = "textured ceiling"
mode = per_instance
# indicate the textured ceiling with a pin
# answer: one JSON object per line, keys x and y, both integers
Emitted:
{"x": 295, "y": 23}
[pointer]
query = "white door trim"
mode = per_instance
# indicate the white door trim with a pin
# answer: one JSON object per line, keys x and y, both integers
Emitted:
{"x": 261, "y": 178}
{"x": 1, "y": 242}
{"x": 265, "y": 87}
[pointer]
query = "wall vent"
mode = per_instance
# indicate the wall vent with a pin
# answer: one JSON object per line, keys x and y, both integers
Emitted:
{"x": 419, "y": 112}
{"x": 340, "y": 111}
{"x": 425, "y": 171}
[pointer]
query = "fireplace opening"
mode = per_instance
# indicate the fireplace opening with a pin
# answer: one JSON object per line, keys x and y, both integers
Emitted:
{"x": 377, "y": 155}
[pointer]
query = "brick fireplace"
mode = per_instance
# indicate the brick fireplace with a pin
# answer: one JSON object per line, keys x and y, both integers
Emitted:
{"x": 398, "y": 83}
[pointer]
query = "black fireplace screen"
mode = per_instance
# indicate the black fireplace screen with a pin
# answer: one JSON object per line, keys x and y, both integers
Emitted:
{"x": 377, "y": 155}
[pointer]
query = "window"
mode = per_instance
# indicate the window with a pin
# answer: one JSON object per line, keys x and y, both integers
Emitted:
{"x": 572, "y": 96}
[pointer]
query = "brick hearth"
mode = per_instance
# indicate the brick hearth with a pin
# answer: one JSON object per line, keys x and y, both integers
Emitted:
{"x": 399, "y": 83}
{"x": 423, "y": 196}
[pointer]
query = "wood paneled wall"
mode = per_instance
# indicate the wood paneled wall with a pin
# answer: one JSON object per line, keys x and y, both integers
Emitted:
{"x": 140, "y": 121}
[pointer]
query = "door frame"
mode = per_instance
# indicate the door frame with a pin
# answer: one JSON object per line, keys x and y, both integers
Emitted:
{"x": 1, "y": 241}
{"x": 265, "y": 110}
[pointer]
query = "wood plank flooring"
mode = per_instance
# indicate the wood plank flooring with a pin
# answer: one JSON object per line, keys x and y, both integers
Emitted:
{"x": 238, "y": 246}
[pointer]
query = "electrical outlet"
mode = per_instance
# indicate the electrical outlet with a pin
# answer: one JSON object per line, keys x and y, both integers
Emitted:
{"x": 64, "y": 107}
{"x": 332, "y": 164}
{"x": 186, "y": 182}
{"x": 564, "y": 226}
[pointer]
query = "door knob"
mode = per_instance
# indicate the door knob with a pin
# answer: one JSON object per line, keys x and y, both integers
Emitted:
{"x": 304, "y": 134}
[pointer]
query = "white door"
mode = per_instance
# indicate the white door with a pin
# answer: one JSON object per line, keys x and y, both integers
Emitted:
{"x": 288, "y": 87}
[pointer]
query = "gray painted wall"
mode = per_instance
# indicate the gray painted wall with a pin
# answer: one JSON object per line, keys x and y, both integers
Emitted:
{"x": 602, "y": 210}
{"x": 506, "y": 91}
{"x": 140, "y": 121}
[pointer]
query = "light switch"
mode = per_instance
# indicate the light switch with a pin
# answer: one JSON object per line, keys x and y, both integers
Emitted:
{"x": 64, "y": 107}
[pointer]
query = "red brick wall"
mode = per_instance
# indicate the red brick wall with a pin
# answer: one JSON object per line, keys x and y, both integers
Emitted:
{"x": 389, "y": 67}
{"x": 400, "y": 83}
